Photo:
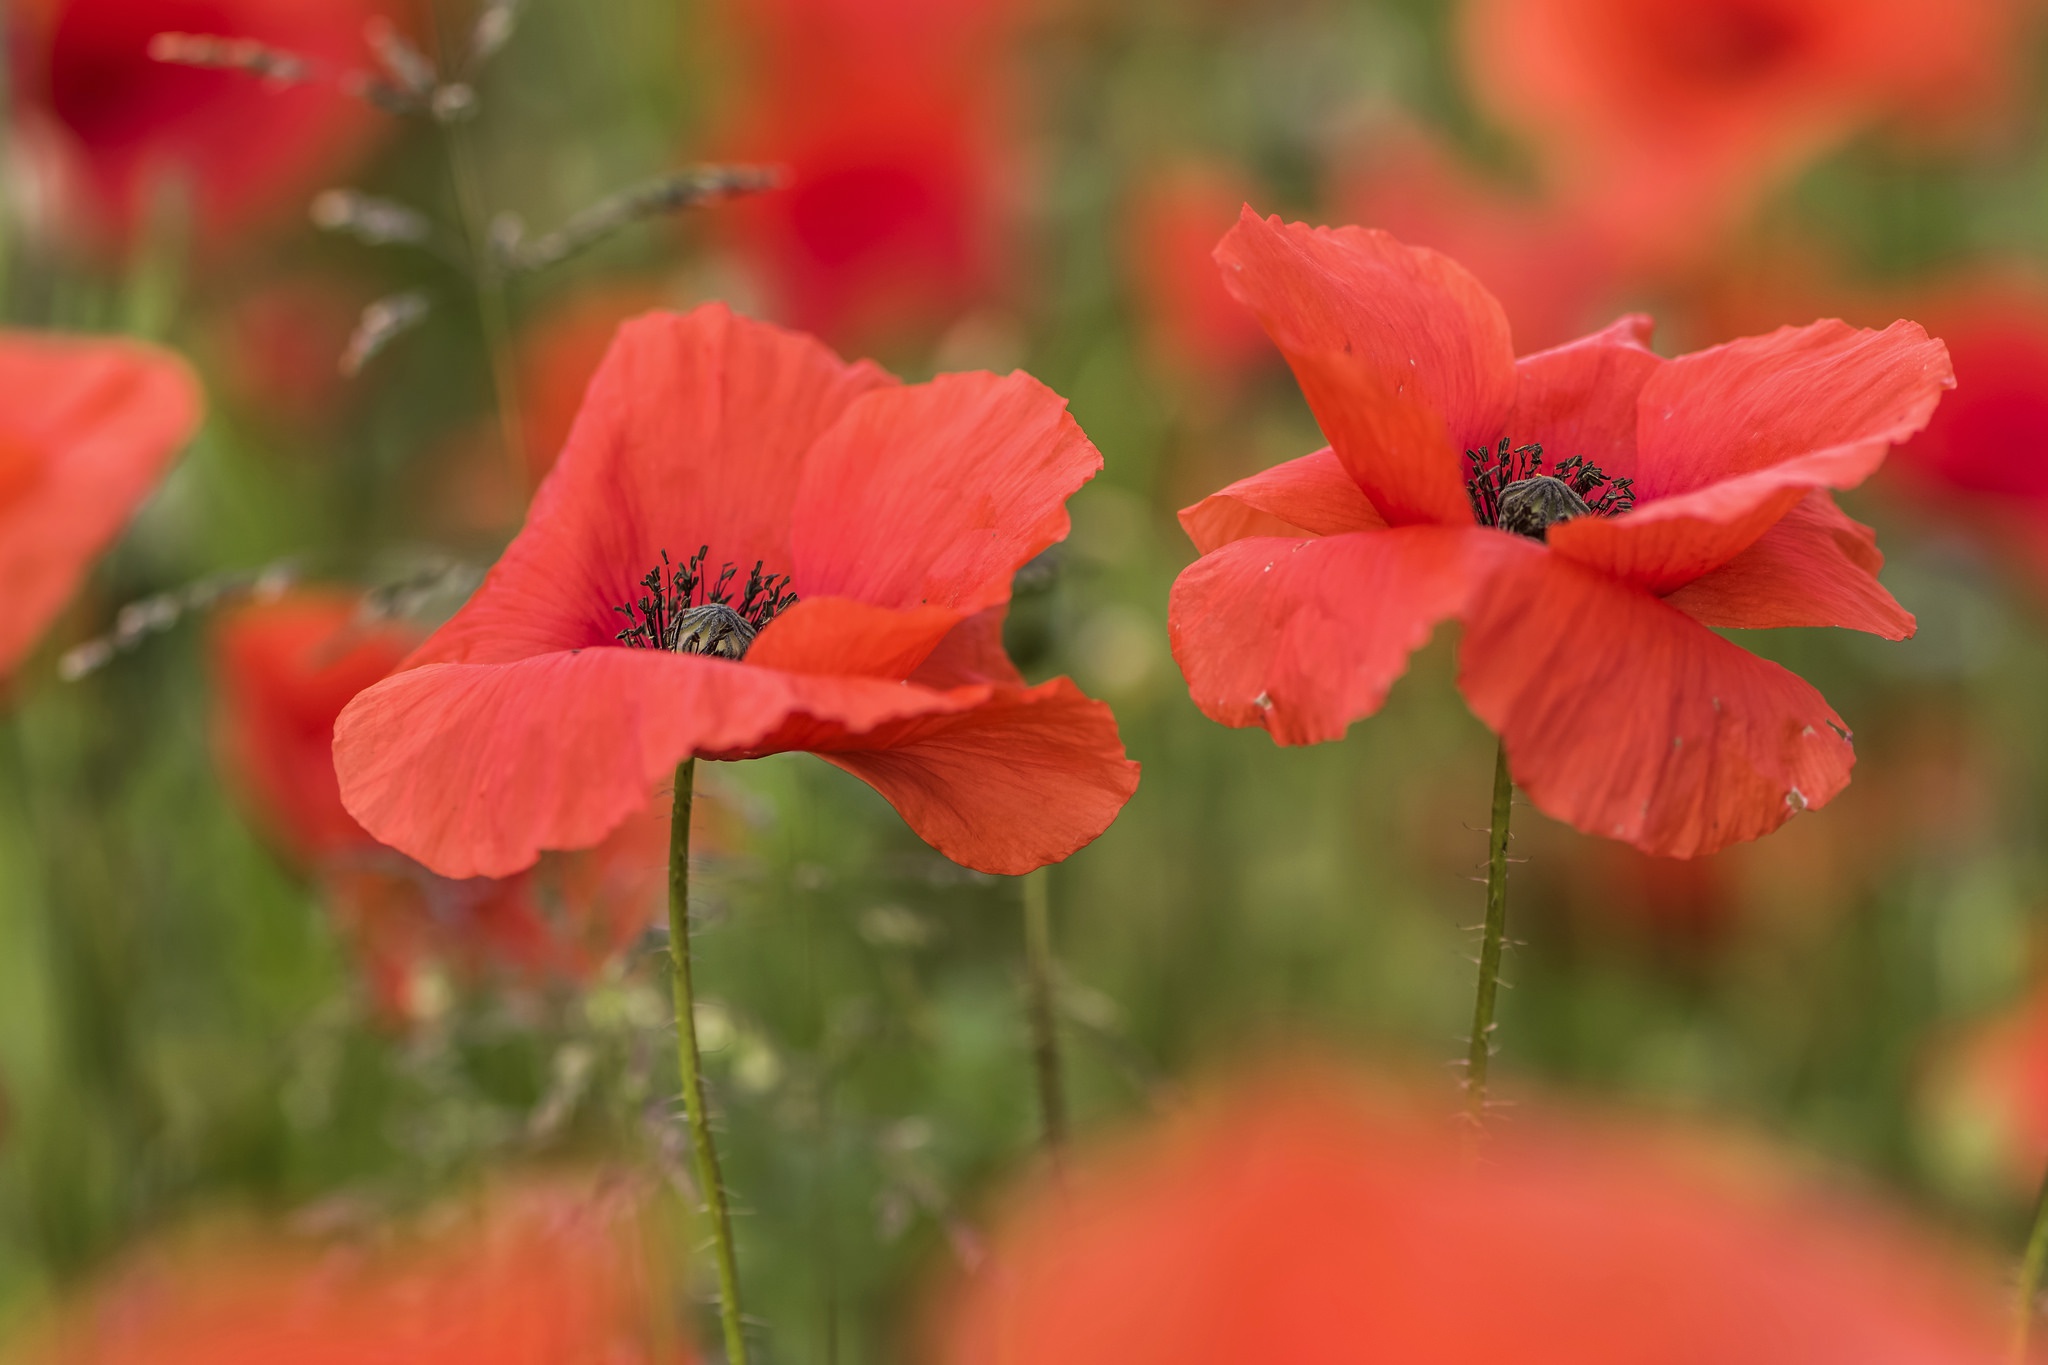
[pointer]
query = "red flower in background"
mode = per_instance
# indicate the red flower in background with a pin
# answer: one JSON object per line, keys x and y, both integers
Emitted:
{"x": 553, "y": 1273}
{"x": 892, "y": 120}
{"x": 1553, "y": 279}
{"x": 1976, "y": 461}
{"x": 285, "y": 669}
{"x": 1667, "y": 119}
{"x": 1170, "y": 240}
{"x": 253, "y": 151}
{"x": 1304, "y": 1220}
{"x": 87, "y": 429}
{"x": 898, "y": 513}
{"x": 279, "y": 347}
{"x": 1651, "y": 502}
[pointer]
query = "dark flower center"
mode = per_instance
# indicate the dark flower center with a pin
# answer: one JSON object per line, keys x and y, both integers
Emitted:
{"x": 1510, "y": 488}
{"x": 684, "y": 612}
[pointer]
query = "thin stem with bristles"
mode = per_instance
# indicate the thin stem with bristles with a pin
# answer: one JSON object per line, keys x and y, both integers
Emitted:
{"x": 2032, "y": 1264}
{"x": 1042, "y": 1011}
{"x": 1480, "y": 1049}
{"x": 487, "y": 279}
{"x": 711, "y": 1184}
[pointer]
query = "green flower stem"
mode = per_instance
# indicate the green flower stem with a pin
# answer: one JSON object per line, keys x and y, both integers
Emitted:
{"x": 1041, "y": 1009}
{"x": 709, "y": 1181}
{"x": 1481, "y": 1047}
{"x": 493, "y": 314}
{"x": 2031, "y": 1266}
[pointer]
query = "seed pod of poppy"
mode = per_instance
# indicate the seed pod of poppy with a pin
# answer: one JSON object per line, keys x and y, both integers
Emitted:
{"x": 1532, "y": 506}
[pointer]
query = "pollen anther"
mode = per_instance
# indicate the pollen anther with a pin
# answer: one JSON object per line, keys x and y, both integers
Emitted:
{"x": 684, "y": 613}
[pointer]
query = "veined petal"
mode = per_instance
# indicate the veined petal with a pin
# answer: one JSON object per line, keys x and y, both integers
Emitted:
{"x": 1580, "y": 398}
{"x": 1027, "y": 778}
{"x": 1816, "y": 567}
{"x": 473, "y": 769}
{"x": 1404, "y": 357}
{"x": 694, "y": 433}
{"x": 938, "y": 493}
{"x": 1314, "y": 495}
{"x": 972, "y": 653}
{"x": 1630, "y": 720}
{"x": 1663, "y": 545}
{"x": 1759, "y": 402}
{"x": 840, "y": 637}
{"x": 1306, "y": 636}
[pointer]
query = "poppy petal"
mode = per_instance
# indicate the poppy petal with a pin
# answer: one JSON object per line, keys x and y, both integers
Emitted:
{"x": 1314, "y": 495}
{"x": 971, "y": 653}
{"x": 694, "y": 432}
{"x": 1760, "y": 401}
{"x": 1666, "y": 544}
{"x": 1404, "y": 357}
{"x": 474, "y": 769}
{"x": 1627, "y": 719}
{"x": 1580, "y": 398}
{"x": 1816, "y": 567}
{"x": 88, "y": 429}
{"x": 1027, "y": 778}
{"x": 937, "y": 493}
{"x": 837, "y": 636}
{"x": 1306, "y": 636}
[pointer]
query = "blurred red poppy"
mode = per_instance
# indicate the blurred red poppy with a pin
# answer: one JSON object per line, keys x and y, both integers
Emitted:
{"x": 1308, "y": 1220}
{"x": 280, "y": 346}
{"x": 1973, "y": 460}
{"x": 252, "y": 151}
{"x": 899, "y": 513}
{"x": 1553, "y": 279}
{"x": 1611, "y": 510}
{"x": 1668, "y": 118}
{"x": 285, "y": 669}
{"x": 543, "y": 1273}
{"x": 1191, "y": 322}
{"x": 893, "y": 121}
{"x": 87, "y": 429}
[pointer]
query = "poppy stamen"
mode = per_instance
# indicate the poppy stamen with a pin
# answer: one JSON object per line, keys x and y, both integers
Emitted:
{"x": 1510, "y": 489}
{"x": 684, "y": 613}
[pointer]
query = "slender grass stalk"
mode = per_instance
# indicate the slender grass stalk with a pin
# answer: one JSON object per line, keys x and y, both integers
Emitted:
{"x": 1041, "y": 1010}
{"x": 709, "y": 1181}
{"x": 2032, "y": 1264}
{"x": 487, "y": 279}
{"x": 1480, "y": 1049}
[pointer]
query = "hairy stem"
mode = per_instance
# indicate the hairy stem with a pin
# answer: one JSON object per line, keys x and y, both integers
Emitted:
{"x": 710, "y": 1182}
{"x": 1480, "y": 1050}
{"x": 1041, "y": 1010}
{"x": 2031, "y": 1266}
{"x": 487, "y": 278}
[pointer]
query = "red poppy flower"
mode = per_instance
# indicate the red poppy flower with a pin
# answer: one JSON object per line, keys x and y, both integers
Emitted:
{"x": 1552, "y": 278}
{"x": 551, "y": 1273}
{"x": 285, "y": 670}
{"x": 1305, "y": 1220}
{"x": 1669, "y": 117}
{"x": 1191, "y": 321}
{"x": 710, "y": 445}
{"x": 1653, "y": 498}
{"x": 252, "y": 151}
{"x": 88, "y": 428}
{"x": 893, "y": 122}
{"x": 1971, "y": 459}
